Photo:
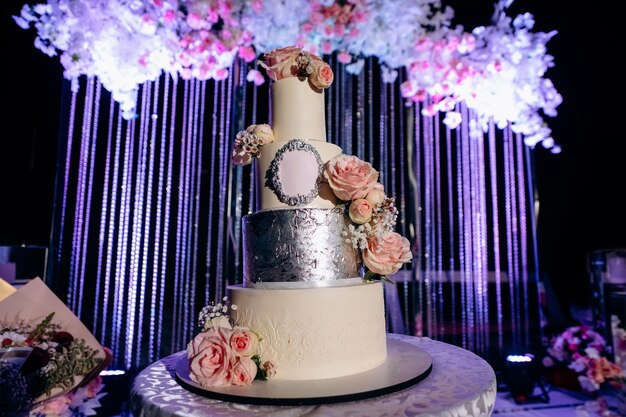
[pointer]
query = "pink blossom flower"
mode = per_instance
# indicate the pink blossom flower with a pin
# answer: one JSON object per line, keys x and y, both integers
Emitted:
{"x": 344, "y": 57}
{"x": 220, "y": 74}
{"x": 349, "y": 177}
{"x": 327, "y": 48}
{"x": 408, "y": 89}
{"x": 255, "y": 76}
{"x": 169, "y": 16}
{"x": 386, "y": 255}
{"x": 247, "y": 53}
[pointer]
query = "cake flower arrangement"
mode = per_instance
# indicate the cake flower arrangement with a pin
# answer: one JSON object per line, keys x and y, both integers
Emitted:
{"x": 373, "y": 214}
{"x": 293, "y": 61}
{"x": 223, "y": 354}
{"x": 353, "y": 181}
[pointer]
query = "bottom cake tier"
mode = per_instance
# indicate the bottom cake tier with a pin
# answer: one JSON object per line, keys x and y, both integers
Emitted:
{"x": 315, "y": 333}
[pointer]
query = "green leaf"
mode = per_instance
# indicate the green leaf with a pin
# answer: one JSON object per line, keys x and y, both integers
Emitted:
{"x": 372, "y": 276}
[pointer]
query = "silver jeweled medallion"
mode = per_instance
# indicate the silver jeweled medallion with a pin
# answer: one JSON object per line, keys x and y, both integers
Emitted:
{"x": 295, "y": 173}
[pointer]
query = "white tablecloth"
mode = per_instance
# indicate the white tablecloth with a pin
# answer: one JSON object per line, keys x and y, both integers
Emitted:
{"x": 460, "y": 384}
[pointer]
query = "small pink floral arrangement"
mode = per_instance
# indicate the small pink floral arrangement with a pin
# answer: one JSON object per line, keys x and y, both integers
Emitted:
{"x": 81, "y": 402}
{"x": 292, "y": 61}
{"x": 223, "y": 354}
{"x": 372, "y": 213}
{"x": 584, "y": 351}
{"x": 248, "y": 143}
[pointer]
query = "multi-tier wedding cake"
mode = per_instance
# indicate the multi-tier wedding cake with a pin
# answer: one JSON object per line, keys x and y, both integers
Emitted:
{"x": 309, "y": 306}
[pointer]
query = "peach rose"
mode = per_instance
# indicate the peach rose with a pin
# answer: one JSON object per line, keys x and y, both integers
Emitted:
{"x": 263, "y": 133}
{"x": 322, "y": 75}
{"x": 244, "y": 372}
{"x": 243, "y": 341}
{"x": 210, "y": 357}
{"x": 360, "y": 211}
{"x": 376, "y": 194}
{"x": 386, "y": 256}
{"x": 349, "y": 177}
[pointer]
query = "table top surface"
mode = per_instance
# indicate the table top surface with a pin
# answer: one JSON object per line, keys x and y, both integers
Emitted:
{"x": 460, "y": 384}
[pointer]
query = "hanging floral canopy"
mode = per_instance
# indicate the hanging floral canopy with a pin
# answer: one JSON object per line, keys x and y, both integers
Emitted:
{"x": 498, "y": 71}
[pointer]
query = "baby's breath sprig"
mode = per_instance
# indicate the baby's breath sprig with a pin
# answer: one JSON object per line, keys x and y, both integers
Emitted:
{"x": 212, "y": 311}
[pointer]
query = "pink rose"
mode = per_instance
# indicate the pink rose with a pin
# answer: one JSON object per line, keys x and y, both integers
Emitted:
{"x": 54, "y": 407}
{"x": 211, "y": 358}
{"x": 360, "y": 211}
{"x": 349, "y": 177}
{"x": 322, "y": 75}
{"x": 386, "y": 256}
{"x": 376, "y": 194}
{"x": 281, "y": 63}
{"x": 243, "y": 341}
{"x": 244, "y": 372}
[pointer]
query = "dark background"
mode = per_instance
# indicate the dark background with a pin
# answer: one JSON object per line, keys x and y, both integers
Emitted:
{"x": 581, "y": 190}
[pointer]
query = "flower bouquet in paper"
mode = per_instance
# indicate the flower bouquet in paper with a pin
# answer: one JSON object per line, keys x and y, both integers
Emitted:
{"x": 46, "y": 354}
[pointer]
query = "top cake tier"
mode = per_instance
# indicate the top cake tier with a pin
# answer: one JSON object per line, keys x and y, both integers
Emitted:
{"x": 290, "y": 168}
{"x": 297, "y": 110}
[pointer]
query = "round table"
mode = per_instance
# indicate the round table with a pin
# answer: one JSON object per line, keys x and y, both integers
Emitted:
{"x": 460, "y": 384}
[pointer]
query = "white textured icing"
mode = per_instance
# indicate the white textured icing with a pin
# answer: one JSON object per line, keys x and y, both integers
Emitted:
{"x": 316, "y": 333}
{"x": 268, "y": 199}
{"x": 297, "y": 110}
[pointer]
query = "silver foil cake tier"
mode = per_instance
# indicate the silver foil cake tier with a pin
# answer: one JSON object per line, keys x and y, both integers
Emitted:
{"x": 298, "y": 247}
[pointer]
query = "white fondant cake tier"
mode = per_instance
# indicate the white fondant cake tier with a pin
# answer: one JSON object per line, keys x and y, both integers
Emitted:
{"x": 316, "y": 333}
{"x": 297, "y": 172}
{"x": 297, "y": 110}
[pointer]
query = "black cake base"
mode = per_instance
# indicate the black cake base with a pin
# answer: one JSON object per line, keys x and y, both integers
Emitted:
{"x": 406, "y": 365}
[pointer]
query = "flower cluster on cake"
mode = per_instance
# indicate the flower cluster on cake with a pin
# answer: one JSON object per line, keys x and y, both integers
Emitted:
{"x": 353, "y": 181}
{"x": 224, "y": 354}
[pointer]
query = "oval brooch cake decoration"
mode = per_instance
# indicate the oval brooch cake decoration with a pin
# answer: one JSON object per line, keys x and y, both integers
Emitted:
{"x": 295, "y": 173}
